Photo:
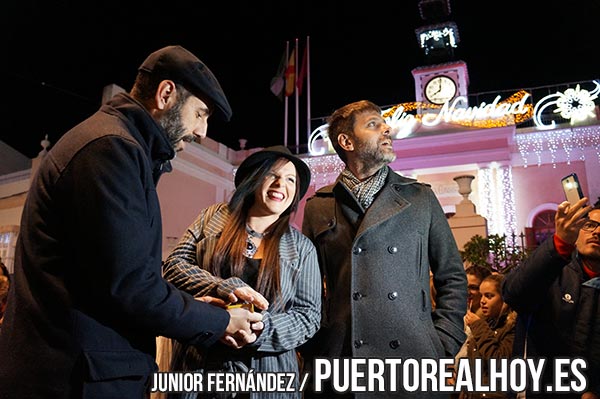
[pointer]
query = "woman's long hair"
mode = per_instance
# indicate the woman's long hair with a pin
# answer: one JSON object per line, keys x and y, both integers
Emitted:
{"x": 230, "y": 248}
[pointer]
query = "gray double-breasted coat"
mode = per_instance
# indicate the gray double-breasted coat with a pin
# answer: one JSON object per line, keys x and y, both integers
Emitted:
{"x": 376, "y": 268}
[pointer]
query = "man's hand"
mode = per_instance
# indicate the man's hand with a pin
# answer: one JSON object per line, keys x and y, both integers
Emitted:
{"x": 569, "y": 219}
{"x": 242, "y": 328}
{"x": 249, "y": 295}
{"x": 213, "y": 301}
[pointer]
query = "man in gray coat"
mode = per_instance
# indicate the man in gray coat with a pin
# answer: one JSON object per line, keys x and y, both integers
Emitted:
{"x": 378, "y": 235}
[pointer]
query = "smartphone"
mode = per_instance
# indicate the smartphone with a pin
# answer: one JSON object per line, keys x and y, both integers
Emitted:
{"x": 572, "y": 188}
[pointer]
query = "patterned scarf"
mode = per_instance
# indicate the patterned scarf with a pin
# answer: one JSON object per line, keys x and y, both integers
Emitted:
{"x": 365, "y": 191}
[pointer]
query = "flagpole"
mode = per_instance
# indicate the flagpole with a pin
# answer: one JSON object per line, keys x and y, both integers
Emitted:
{"x": 308, "y": 127}
{"x": 285, "y": 100}
{"x": 296, "y": 99}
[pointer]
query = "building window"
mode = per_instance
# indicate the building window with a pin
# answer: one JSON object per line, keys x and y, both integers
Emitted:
{"x": 542, "y": 228}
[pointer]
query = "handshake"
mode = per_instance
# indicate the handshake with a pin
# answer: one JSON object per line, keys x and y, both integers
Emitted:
{"x": 245, "y": 325}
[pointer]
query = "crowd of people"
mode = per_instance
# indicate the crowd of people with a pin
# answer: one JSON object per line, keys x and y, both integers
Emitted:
{"x": 374, "y": 273}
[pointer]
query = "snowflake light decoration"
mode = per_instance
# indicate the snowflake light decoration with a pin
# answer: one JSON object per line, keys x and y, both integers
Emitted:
{"x": 574, "y": 104}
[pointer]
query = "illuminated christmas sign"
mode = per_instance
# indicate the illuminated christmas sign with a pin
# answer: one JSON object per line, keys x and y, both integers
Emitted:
{"x": 575, "y": 105}
{"x": 458, "y": 112}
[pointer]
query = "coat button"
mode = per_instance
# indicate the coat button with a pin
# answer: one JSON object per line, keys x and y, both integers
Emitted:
{"x": 357, "y": 250}
{"x": 392, "y": 250}
{"x": 392, "y": 295}
{"x": 394, "y": 344}
{"x": 356, "y": 296}
{"x": 358, "y": 343}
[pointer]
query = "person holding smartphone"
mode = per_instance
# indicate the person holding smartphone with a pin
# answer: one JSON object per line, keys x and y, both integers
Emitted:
{"x": 556, "y": 293}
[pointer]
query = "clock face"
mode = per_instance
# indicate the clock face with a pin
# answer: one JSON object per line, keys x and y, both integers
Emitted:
{"x": 440, "y": 89}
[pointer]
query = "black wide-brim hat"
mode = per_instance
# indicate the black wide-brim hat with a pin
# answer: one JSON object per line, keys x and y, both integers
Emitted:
{"x": 181, "y": 66}
{"x": 253, "y": 161}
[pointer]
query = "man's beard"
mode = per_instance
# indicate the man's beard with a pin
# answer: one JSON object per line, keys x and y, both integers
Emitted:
{"x": 171, "y": 123}
{"x": 372, "y": 155}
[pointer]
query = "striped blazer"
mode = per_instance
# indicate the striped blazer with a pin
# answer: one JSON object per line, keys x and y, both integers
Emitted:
{"x": 290, "y": 320}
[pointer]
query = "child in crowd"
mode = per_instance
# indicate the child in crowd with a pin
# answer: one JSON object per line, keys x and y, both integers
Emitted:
{"x": 492, "y": 335}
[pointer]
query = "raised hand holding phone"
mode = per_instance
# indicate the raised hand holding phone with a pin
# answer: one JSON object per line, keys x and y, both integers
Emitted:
{"x": 572, "y": 188}
{"x": 572, "y": 213}
{"x": 573, "y": 191}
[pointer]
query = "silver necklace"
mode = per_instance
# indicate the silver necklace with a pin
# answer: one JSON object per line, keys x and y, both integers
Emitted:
{"x": 251, "y": 247}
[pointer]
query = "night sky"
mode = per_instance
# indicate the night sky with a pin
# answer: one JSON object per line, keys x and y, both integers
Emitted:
{"x": 58, "y": 55}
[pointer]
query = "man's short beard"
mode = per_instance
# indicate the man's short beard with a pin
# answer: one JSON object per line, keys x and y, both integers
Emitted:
{"x": 372, "y": 157}
{"x": 171, "y": 123}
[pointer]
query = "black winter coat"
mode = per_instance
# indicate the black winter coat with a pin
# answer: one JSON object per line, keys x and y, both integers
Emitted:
{"x": 558, "y": 310}
{"x": 88, "y": 297}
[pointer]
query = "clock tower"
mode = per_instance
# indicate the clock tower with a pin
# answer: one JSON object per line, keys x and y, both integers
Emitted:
{"x": 443, "y": 77}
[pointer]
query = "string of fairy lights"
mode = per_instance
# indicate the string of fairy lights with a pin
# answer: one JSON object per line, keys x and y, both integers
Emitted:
{"x": 497, "y": 200}
{"x": 562, "y": 144}
{"x": 324, "y": 169}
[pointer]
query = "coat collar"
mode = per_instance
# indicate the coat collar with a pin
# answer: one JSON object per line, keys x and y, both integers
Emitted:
{"x": 388, "y": 203}
{"x": 144, "y": 128}
{"x": 393, "y": 177}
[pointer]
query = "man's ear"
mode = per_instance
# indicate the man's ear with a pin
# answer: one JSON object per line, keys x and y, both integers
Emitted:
{"x": 165, "y": 92}
{"x": 345, "y": 142}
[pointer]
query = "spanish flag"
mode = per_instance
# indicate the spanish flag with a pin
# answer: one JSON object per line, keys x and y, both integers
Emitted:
{"x": 290, "y": 74}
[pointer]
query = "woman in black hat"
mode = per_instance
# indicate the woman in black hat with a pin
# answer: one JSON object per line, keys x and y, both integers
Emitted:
{"x": 247, "y": 251}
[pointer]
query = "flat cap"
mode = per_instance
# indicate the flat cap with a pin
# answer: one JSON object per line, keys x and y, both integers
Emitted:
{"x": 178, "y": 64}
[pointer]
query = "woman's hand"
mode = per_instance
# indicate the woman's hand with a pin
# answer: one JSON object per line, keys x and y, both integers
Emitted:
{"x": 242, "y": 327}
{"x": 470, "y": 318}
{"x": 249, "y": 295}
{"x": 257, "y": 328}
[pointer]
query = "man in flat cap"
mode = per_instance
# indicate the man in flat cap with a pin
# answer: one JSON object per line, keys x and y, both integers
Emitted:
{"x": 89, "y": 299}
